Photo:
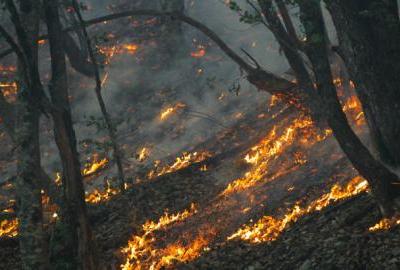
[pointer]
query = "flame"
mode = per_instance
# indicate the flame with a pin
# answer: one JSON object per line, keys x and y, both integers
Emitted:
{"x": 140, "y": 252}
{"x": 9, "y": 90}
{"x": 353, "y": 107}
{"x": 98, "y": 196}
{"x": 269, "y": 228}
{"x": 9, "y": 228}
{"x": 166, "y": 113}
{"x": 130, "y": 48}
{"x": 110, "y": 51}
{"x": 385, "y": 224}
{"x": 271, "y": 147}
{"x": 143, "y": 154}
{"x": 91, "y": 168}
{"x": 180, "y": 163}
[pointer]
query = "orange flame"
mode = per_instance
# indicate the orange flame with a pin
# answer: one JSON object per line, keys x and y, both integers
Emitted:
{"x": 97, "y": 196}
{"x": 9, "y": 228}
{"x": 140, "y": 252}
{"x": 385, "y": 224}
{"x": 91, "y": 168}
{"x": 180, "y": 163}
{"x": 166, "y": 113}
{"x": 270, "y": 148}
{"x": 269, "y": 228}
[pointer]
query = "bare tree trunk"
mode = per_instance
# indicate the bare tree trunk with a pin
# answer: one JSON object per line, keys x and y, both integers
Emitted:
{"x": 24, "y": 125}
{"x": 66, "y": 143}
{"x": 110, "y": 127}
{"x": 378, "y": 176}
{"x": 369, "y": 37}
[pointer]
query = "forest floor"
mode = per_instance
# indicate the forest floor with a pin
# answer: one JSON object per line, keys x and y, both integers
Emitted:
{"x": 333, "y": 237}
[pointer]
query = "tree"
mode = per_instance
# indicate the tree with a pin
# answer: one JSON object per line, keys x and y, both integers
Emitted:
{"x": 25, "y": 128}
{"x": 76, "y": 213}
{"x": 369, "y": 38}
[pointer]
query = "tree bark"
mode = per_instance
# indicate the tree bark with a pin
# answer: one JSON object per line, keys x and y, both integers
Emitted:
{"x": 369, "y": 38}
{"x": 24, "y": 126}
{"x": 382, "y": 181}
{"x": 66, "y": 142}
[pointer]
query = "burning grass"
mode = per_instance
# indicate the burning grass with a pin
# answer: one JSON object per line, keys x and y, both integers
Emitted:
{"x": 169, "y": 111}
{"x": 269, "y": 228}
{"x": 273, "y": 145}
{"x": 185, "y": 160}
{"x": 140, "y": 252}
{"x": 9, "y": 228}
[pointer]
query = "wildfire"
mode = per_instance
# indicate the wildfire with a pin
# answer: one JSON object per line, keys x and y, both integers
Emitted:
{"x": 110, "y": 51}
{"x": 271, "y": 147}
{"x": 91, "y": 168}
{"x": 268, "y": 228}
{"x": 385, "y": 224}
{"x": 143, "y": 154}
{"x": 98, "y": 196}
{"x": 166, "y": 113}
{"x": 9, "y": 90}
{"x": 9, "y": 228}
{"x": 353, "y": 107}
{"x": 140, "y": 252}
{"x": 180, "y": 162}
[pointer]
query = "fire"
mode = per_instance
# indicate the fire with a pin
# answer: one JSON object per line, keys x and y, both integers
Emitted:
{"x": 385, "y": 224}
{"x": 271, "y": 147}
{"x": 110, "y": 51}
{"x": 166, "y": 113}
{"x": 9, "y": 90}
{"x": 9, "y": 228}
{"x": 353, "y": 107}
{"x": 140, "y": 252}
{"x": 98, "y": 196}
{"x": 143, "y": 154}
{"x": 180, "y": 163}
{"x": 269, "y": 228}
{"x": 201, "y": 52}
{"x": 91, "y": 168}
{"x": 130, "y": 48}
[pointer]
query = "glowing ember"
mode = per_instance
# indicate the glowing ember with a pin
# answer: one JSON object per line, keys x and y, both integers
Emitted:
{"x": 91, "y": 168}
{"x": 180, "y": 163}
{"x": 110, "y": 51}
{"x": 140, "y": 252}
{"x": 9, "y": 228}
{"x": 268, "y": 228}
{"x": 385, "y": 224}
{"x": 201, "y": 52}
{"x": 166, "y": 113}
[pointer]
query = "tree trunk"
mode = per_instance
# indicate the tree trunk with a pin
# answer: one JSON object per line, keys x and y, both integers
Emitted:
{"x": 369, "y": 38}
{"x": 378, "y": 176}
{"x": 32, "y": 237}
{"x": 66, "y": 142}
